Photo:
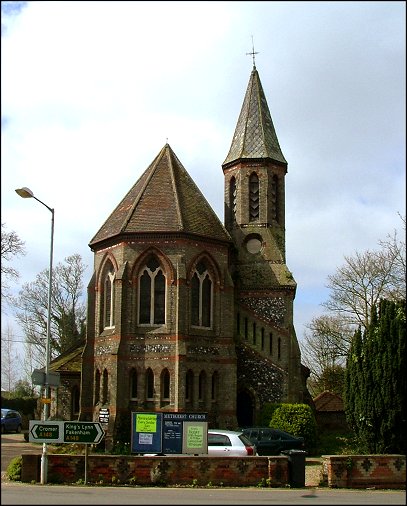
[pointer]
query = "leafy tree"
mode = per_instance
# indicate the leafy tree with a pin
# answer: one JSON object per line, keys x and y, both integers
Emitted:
{"x": 375, "y": 382}
{"x": 67, "y": 308}
{"x": 23, "y": 389}
{"x": 11, "y": 247}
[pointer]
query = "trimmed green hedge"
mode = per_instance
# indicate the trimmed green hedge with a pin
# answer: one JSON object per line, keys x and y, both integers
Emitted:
{"x": 298, "y": 420}
{"x": 25, "y": 406}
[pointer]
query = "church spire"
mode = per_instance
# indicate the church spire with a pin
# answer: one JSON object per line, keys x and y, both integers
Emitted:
{"x": 254, "y": 137}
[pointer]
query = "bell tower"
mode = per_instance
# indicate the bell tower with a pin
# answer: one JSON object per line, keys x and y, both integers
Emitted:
{"x": 254, "y": 172}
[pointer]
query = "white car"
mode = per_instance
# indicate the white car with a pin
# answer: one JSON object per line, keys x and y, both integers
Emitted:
{"x": 229, "y": 443}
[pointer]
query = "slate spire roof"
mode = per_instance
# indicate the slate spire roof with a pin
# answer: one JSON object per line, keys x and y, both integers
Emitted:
{"x": 254, "y": 135}
{"x": 164, "y": 199}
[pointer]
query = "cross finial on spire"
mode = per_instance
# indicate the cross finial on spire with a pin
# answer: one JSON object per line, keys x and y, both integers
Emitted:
{"x": 253, "y": 53}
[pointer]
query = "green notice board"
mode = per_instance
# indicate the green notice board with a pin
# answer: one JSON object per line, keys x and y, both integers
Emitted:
{"x": 146, "y": 431}
{"x": 169, "y": 433}
{"x": 195, "y": 437}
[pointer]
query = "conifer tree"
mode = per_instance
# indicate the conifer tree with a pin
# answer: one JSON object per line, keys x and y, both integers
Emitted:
{"x": 375, "y": 384}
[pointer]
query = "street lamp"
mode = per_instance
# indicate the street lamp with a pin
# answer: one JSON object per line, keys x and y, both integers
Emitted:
{"x": 26, "y": 193}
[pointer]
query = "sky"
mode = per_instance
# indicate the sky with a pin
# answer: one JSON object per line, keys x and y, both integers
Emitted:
{"x": 91, "y": 92}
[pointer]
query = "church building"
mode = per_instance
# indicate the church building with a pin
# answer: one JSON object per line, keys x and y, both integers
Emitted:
{"x": 189, "y": 314}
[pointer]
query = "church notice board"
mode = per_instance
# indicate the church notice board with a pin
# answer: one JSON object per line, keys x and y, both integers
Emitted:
{"x": 169, "y": 433}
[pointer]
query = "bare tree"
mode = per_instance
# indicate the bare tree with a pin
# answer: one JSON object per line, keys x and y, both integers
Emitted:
{"x": 67, "y": 308}
{"x": 9, "y": 360}
{"x": 367, "y": 277}
{"x": 395, "y": 249}
{"x": 355, "y": 288}
{"x": 324, "y": 348}
{"x": 11, "y": 247}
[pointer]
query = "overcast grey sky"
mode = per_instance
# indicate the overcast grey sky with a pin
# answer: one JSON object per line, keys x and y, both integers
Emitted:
{"x": 91, "y": 91}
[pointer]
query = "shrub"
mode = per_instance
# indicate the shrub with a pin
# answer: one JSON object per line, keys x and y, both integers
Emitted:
{"x": 14, "y": 468}
{"x": 298, "y": 420}
{"x": 266, "y": 413}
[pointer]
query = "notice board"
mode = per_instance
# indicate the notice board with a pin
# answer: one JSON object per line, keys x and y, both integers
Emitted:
{"x": 146, "y": 432}
{"x": 179, "y": 433}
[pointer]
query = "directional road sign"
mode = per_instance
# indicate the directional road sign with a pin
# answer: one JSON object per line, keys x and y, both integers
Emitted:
{"x": 83, "y": 432}
{"x": 45, "y": 432}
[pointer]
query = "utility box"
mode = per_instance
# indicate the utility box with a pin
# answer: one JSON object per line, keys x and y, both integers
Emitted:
{"x": 296, "y": 467}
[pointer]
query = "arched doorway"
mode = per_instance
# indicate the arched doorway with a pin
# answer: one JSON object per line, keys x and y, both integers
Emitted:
{"x": 245, "y": 409}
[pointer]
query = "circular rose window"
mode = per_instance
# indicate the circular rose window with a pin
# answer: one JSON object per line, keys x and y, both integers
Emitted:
{"x": 253, "y": 245}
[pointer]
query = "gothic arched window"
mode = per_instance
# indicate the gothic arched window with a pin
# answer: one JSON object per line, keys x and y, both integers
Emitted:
{"x": 75, "y": 397}
{"x": 105, "y": 387}
{"x": 97, "y": 386}
{"x": 152, "y": 293}
{"x": 133, "y": 384}
{"x": 201, "y": 297}
{"x": 253, "y": 197}
{"x": 202, "y": 386}
{"x": 274, "y": 198}
{"x": 232, "y": 198}
{"x": 215, "y": 386}
{"x": 149, "y": 384}
{"x": 108, "y": 298}
{"x": 189, "y": 386}
{"x": 165, "y": 385}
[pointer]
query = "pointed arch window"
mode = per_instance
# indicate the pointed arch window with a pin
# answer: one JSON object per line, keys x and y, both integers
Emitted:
{"x": 133, "y": 384}
{"x": 75, "y": 397}
{"x": 108, "y": 298}
{"x": 152, "y": 293}
{"x": 233, "y": 198}
{"x": 214, "y": 386}
{"x": 149, "y": 384}
{"x": 201, "y": 296}
{"x": 274, "y": 198}
{"x": 97, "y": 386}
{"x": 165, "y": 385}
{"x": 189, "y": 386}
{"x": 202, "y": 386}
{"x": 105, "y": 387}
{"x": 253, "y": 197}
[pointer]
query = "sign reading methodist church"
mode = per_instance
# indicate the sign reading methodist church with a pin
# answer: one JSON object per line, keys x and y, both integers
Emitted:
{"x": 169, "y": 433}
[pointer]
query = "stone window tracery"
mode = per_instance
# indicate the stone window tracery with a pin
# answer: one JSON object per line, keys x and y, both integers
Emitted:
{"x": 108, "y": 298}
{"x": 253, "y": 197}
{"x": 201, "y": 296}
{"x": 152, "y": 293}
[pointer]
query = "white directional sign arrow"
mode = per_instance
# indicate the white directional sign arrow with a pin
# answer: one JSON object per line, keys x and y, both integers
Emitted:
{"x": 83, "y": 432}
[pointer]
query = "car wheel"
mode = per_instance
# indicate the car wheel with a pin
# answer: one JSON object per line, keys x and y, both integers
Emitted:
{"x": 18, "y": 431}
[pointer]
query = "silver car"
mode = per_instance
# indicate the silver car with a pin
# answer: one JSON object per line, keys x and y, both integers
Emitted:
{"x": 229, "y": 443}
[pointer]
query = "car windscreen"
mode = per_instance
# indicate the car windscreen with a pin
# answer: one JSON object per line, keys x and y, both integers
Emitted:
{"x": 245, "y": 440}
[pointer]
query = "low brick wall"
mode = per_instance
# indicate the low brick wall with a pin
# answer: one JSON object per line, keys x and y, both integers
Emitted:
{"x": 156, "y": 470}
{"x": 364, "y": 471}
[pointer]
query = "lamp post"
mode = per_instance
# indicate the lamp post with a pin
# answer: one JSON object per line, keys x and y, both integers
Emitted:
{"x": 27, "y": 193}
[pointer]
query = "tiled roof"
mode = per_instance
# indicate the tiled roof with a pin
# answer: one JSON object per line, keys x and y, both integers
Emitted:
{"x": 164, "y": 199}
{"x": 255, "y": 136}
{"x": 328, "y": 401}
{"x": 70, "y": 360}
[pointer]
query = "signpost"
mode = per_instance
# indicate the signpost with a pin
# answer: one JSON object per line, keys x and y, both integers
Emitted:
{"x": 45, "y": 432}
{"x": 65, "y": 432}
{"x": 83, "y": 432}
